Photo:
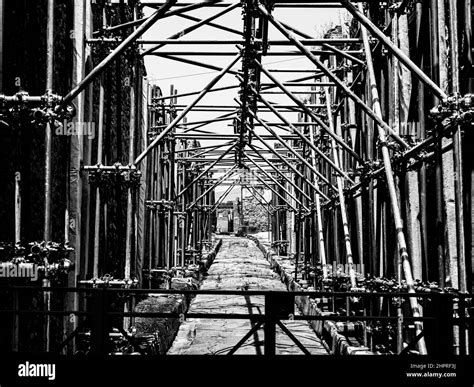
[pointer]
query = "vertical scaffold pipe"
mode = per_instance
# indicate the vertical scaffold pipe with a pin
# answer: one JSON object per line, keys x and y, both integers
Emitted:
{"x": 457, "y": 142}
{"x": 340, "y": 191}
{"x": 131, "y": 154}
{"x": 17, "y": 207}
{"x": 458, "y": 170}
{"x": 171, "y": 194}
{"x": 100, "y": 138}
{"x": 15, "y": 334}
{"x": 395, "y": 121}
{"x": 420, "y": 12}
{"x": 100, "y": 135}
{"x": 317, "y": 200}
{"x": 435, "y": 71}
{"x": 47, "y": 168}
{"x": 47, "y": 180}
{"x": 184, "y": 215}
{"x": 129, "y": 240}
{"x": 392, "y": 192}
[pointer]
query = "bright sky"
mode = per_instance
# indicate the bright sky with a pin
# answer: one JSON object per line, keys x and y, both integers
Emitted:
{"x": 187, "y": 78}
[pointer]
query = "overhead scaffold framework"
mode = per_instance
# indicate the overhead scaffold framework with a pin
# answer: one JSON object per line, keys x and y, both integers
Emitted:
{"x": 381, "y": 136}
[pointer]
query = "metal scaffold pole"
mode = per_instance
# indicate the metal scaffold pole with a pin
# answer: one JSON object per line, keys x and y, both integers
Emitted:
{"x": 402, "y": 247}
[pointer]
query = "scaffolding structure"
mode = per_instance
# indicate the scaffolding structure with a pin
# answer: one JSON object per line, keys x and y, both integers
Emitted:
{"x": 382, "y": 136}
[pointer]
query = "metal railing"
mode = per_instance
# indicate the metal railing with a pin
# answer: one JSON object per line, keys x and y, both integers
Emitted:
{"x": 447, "y": 311}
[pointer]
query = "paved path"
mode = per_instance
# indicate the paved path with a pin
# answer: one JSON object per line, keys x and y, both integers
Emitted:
{"x": 239, "y": 264}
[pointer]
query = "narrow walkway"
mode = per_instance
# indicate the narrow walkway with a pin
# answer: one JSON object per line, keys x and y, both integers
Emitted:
{"x": 239, "y": 265}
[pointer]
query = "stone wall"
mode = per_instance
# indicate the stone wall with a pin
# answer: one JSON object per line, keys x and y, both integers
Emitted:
{"x": 157, "y": 334}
